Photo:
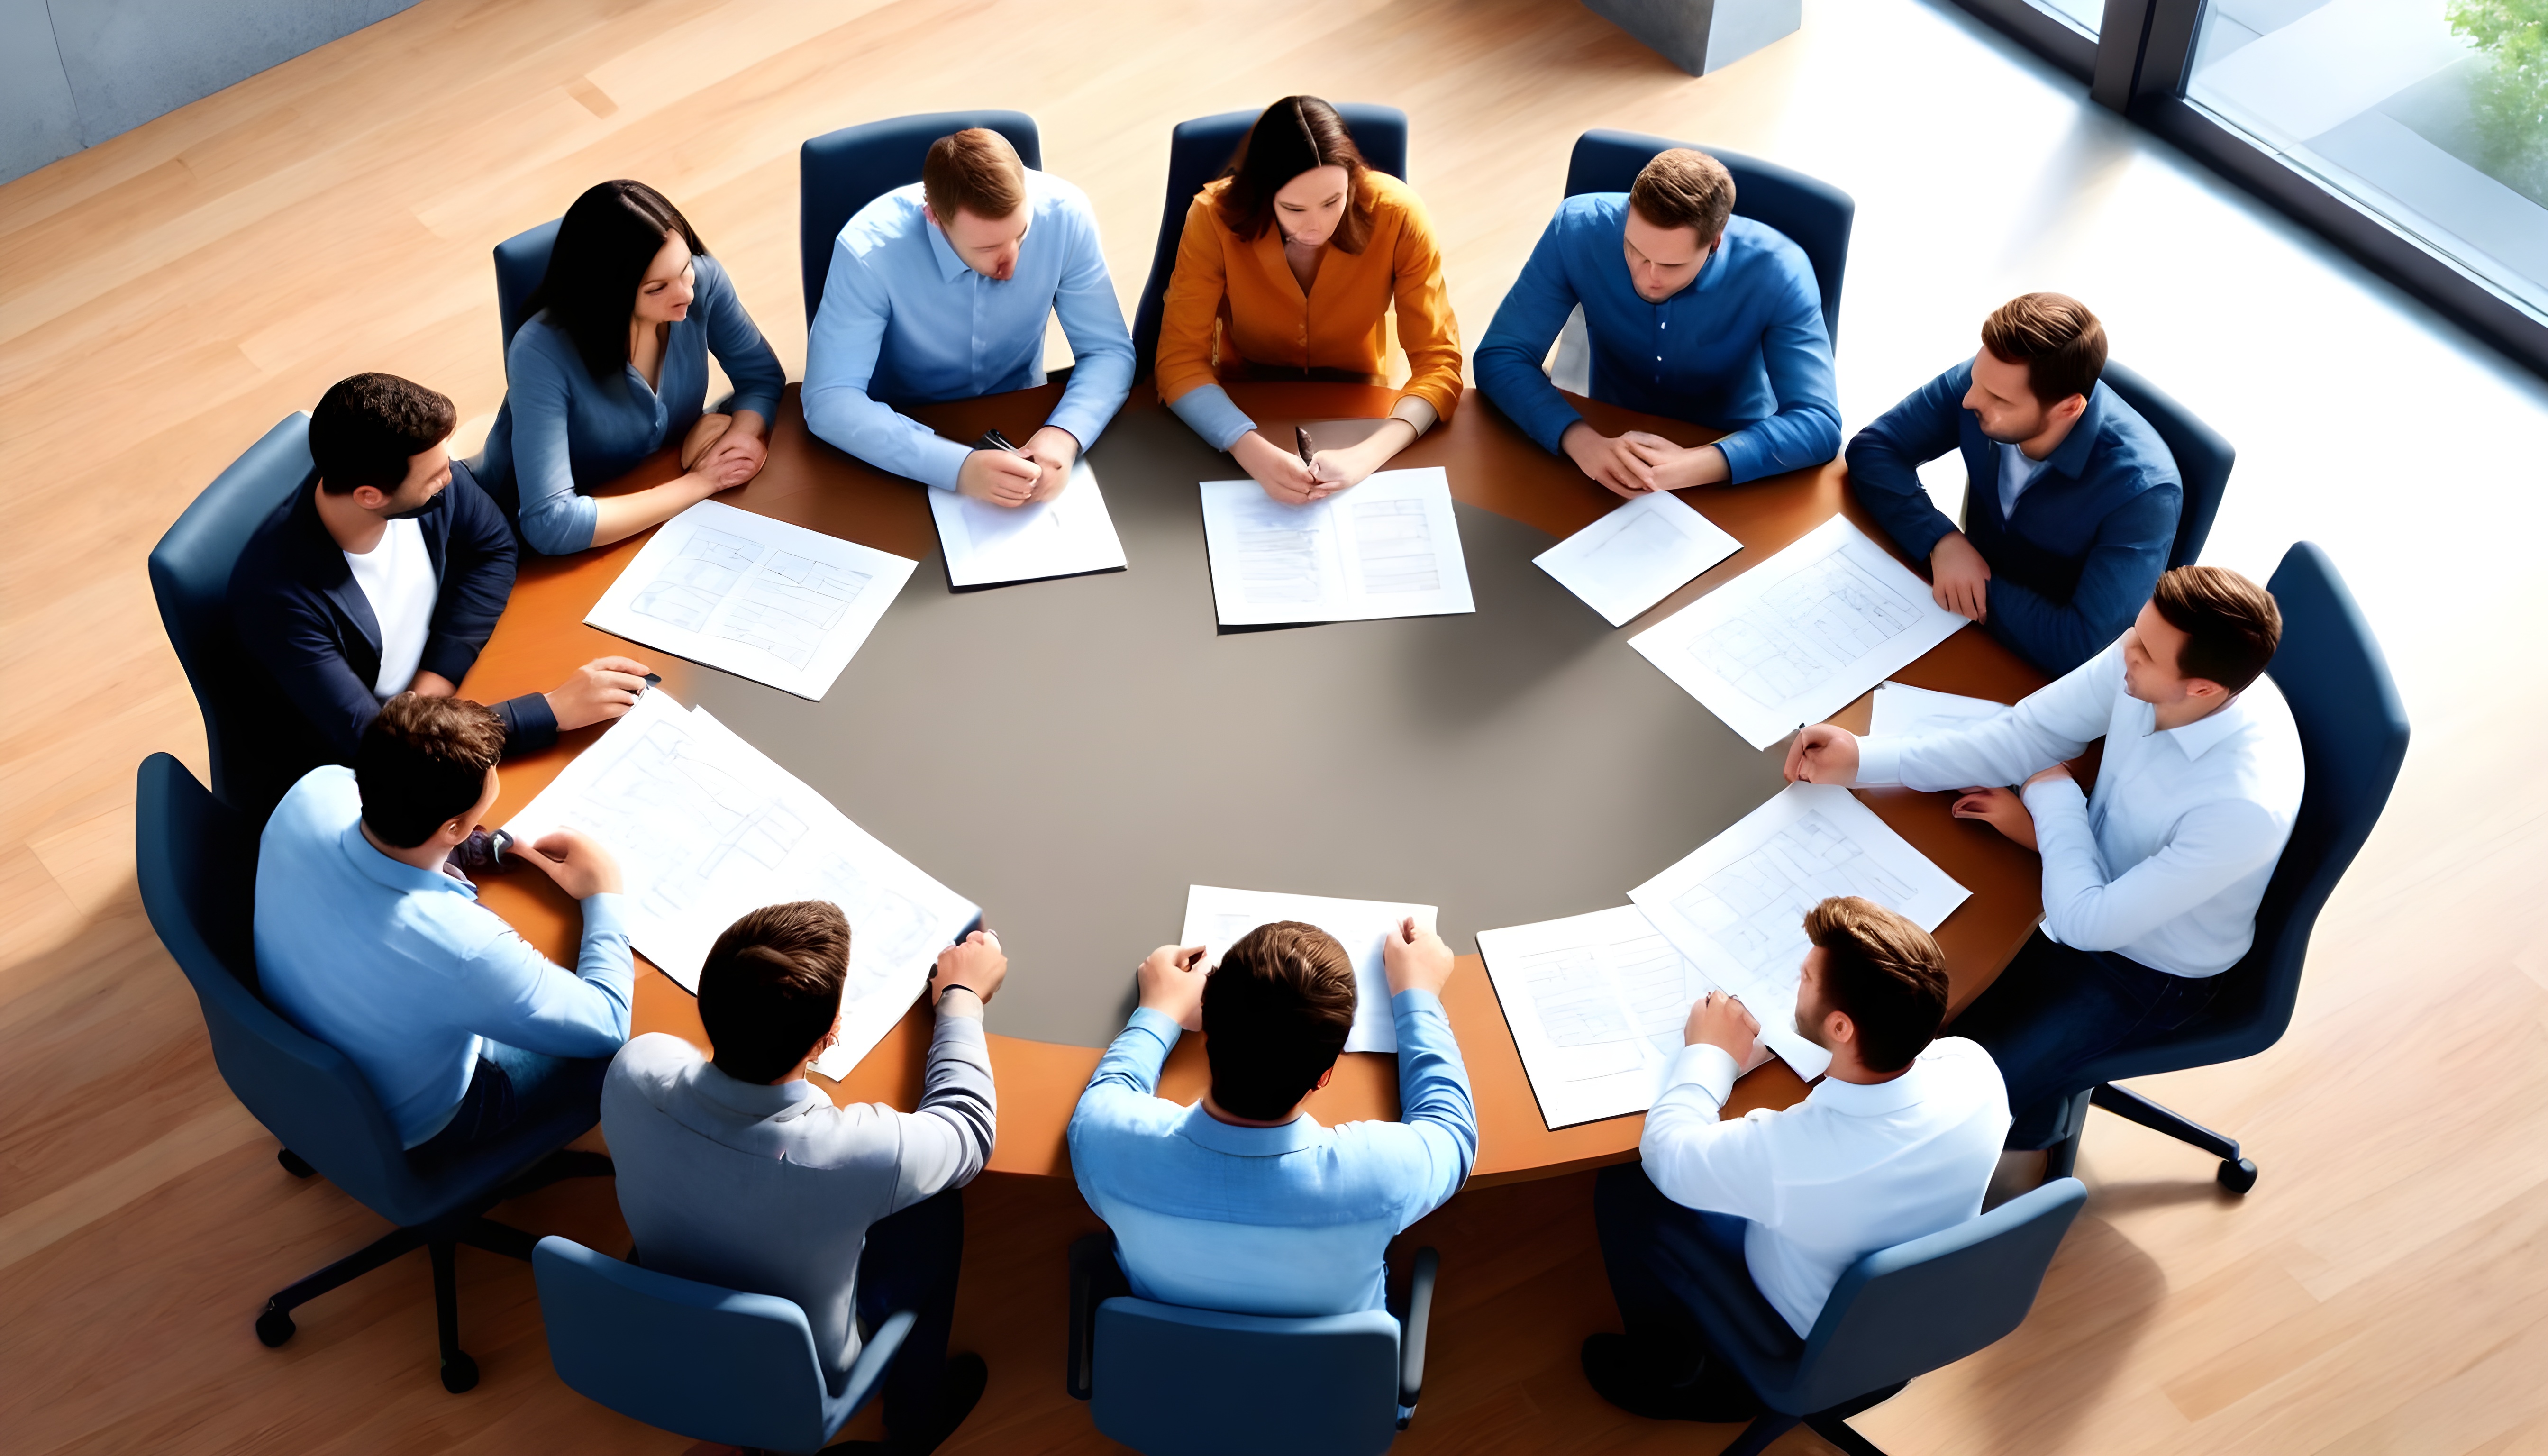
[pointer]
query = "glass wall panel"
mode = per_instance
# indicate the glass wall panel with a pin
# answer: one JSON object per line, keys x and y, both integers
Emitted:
{"x": 2083, "y": 15}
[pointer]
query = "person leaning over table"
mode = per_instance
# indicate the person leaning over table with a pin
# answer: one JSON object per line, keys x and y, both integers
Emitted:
{"x": 612, "y": 364}
{"x": 1241, "y": 1202}
{"x": 2151, "y": 884}
{"x": 941, "y": 291}
{"x": 739, "y": 1172}
{"x": 1758, "y": 1218}
{"x": 369, "y": 936}
{"x": 1287, "y": 269}
{"x": 386, "y": 576}
{"x": 2073, "y": 498}
{"x": 1690, "y": 313}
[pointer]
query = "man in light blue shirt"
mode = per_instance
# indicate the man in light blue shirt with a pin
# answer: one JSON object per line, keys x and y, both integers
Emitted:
{"x": 370, "y": 939}
{"x": 1241, "y": 1202}
{"x": 939, "y": 291}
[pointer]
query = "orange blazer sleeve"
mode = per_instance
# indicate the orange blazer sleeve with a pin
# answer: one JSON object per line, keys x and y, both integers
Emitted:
{"x": 1192, "y": 311}
{"x": 1426, "y": 329}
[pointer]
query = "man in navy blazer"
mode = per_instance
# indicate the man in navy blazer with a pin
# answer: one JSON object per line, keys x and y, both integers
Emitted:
{"x": 2071, "y": 504}
{"x": 385, "y": 575}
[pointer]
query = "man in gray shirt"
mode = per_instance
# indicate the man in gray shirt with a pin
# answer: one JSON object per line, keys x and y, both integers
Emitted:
{"x": 739, "y": 1172}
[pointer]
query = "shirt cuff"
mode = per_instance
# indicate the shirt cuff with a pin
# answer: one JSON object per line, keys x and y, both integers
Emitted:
{"x": 966, "y": 1030}
{"x": 1210, "y": 412}
{"x": 1706, "y": 1067}
{"x": 1157, "y": 1023}
{"x": 1744, "y": 457}
{"x": 937, "y": 461}
{"x": 2053, "y": 797}
{"x": 602, "y": 915}
{"x": 1880, "y": 760}
{"x": 1412, "y": 1001}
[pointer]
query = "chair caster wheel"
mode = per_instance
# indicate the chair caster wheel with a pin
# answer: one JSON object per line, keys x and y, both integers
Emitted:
{"x": 273, "y": 1327}
{"x": 293, "y": 1163}
{"x": 2237, "y": 1177}
{"x": 459, "y": 1373}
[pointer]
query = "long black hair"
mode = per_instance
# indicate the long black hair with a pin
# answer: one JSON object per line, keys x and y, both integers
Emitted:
{"x": 604, "y": 245}
{"x": 1295, "y": 135}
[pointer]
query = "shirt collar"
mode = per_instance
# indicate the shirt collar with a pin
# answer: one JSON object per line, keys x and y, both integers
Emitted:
{"x": 2200, "y": 735}
{"x": 950, "y": 266}
{"x": 783, "y": 1103}
{"x": 1870, "y": 1099}
{"x": 2070, "y": 457}
{"x": 1209, "y": 1133}
{"x": 395, "y": 874}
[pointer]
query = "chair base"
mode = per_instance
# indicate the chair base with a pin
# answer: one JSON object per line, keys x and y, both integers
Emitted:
{"x": 441, "y": 1238}
{"x": 1832, "y": 1425}
{"x": 2236, "y": 1173}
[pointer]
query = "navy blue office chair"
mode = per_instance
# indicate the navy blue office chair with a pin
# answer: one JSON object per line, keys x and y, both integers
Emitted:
{"x": 190, "y": 575}
{"x": 1899, "y": 1314}
{"x": 2353, "y": 737}
{"x": 1197, "y": 151}
{"x": 2203, "y": 457}
{"x": 1170, "y": 1381}
{"x": 197, "y": 863}
{"x": 842, "y": 172}
{"x": 521, "y": 261}
{"x": 1814, "y": 214}
{"x": 708, "y": 1363}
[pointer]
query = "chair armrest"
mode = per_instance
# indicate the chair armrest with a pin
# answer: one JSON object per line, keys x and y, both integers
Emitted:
{"x": 1410, "y": 1339}
{"x": 867, "y": 1373}
{"x": 1095, "y": 1277}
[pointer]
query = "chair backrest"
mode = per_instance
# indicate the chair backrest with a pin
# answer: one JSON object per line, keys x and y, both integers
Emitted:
{"x": 1197, "y": 151}
{"x": 190, "y": 575}
{"x": 1170, "y": 1381}
{"x": 840, "y": 173}
{"x": 1908, "y": 1310}
{"x": 708, "y": 1363}
{"x": 1814, "y": 214}
{"x": 521, "y": 261}
{"x": 2203, "y": 457}
{"x": 195, "y": 860}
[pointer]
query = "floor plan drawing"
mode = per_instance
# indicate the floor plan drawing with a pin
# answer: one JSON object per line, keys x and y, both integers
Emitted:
{"x": 686, "y": 591}
{"x": 1755, "y": 906}
{"x": 1389, "y": 547}
{"x": 1807, "y": 629}
{"x": 1637, "y": 555}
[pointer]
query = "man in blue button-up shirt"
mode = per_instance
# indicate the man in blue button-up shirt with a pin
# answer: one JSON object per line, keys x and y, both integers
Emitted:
{"x": 1241, "y": 1202}
{"x": 2072, "y": 500}
{"x": 1692, "y": 312}
{"x": 939, "y": 291}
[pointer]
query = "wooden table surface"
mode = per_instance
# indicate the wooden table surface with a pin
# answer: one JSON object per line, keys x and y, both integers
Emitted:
{"x": 1491, "y": 464}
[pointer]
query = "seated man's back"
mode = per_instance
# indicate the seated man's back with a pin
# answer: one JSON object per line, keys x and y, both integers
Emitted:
{"x": 1242, "y": 1202}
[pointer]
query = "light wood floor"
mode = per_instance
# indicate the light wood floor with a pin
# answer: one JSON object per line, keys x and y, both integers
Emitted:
{"x": 167, "y": 295}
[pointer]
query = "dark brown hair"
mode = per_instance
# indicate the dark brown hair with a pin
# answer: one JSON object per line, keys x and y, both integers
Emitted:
{"x": 974, "y": 170}
{"x": 422, "y": 761}
{"x": 1275, "y": 1017}
{"x": 772, "y": 985}
{"x": 1681, "y": 188}
{"x": 2231, "y": 625}
{"x": 1884, "y": 973}
{"x": 2061, "y": 343}
{"x": 1295, "y": 135}
{"x": 367, "y": 425}
{"x": 605, "y": 243}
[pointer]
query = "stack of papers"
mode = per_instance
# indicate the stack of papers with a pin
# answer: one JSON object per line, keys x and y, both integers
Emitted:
{"x": 706, "y": 828}
{"x": 1069, "y": 536}
{"x": 1637, "y": 555}
{"x": 1215, "y": 917}
{"x": 1390, "y": 547}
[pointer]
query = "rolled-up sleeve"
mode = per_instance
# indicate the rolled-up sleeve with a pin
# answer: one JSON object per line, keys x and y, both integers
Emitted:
{"x": 1518, "y": 338}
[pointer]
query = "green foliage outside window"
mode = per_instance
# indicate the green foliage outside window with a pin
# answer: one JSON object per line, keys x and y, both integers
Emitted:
{"x": 2509, "y": 104}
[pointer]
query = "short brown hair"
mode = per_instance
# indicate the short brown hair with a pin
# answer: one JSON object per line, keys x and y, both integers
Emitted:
{"x": 974, "y": 170}
{"x": 1884, "y": 973}
{"x": 1681, "y": 188}
{"x": 1275, "y": 1016}
{"x": 2231, "y": 625}
{"x": 1295, "y": 135}
{"x": 422, "y": 761}
{"x": 771, "y": 987}
{"x": 367, "y": 425}
{"x": 2061, "y": 343}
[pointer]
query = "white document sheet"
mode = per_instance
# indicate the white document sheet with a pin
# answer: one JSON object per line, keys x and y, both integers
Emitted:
{"x": 1069, "y": 536}
{"x": 1903, "y": 708}
{"x": 1596, "y": 1004}
{"x": 1637, "y": 555}
{"x": 755, "y": 596}
{"x": 705, "y": 828}
{"x": 1215, "y": 917}
{"x": 1389, "y": 547}
{"x": 1737, "y": 904}
{"x": 1796, "y": 638}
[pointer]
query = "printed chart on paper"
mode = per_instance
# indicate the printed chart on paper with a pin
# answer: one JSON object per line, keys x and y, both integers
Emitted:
{"x": 1215, "y": 917}
{"x": 1389, "y": 547}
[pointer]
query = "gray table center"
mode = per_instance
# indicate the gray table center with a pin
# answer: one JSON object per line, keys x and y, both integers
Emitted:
{"x": 1071, "y": 755}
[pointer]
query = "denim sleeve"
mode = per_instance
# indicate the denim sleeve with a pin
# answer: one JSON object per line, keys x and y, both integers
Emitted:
{"x": 747, "y": 358}
{"x": 1796, "y": 348}
{"x": 541, "y": 389}
{"x": 1518, "y": 338}
{"x": 2122, "y": 569}
{"x": 1884, "y": 461}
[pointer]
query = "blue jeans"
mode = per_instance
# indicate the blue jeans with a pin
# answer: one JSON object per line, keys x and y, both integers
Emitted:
{"x": 1666, "y": 1261}
{"x": 509, "y": 1086}
{"x": 2056, "y": 1009}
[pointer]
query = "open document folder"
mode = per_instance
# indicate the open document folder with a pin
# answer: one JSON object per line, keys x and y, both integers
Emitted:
{"x": 1069, "y": 536}
{"x": 1390, "y": 547}
{"x": 1215, "y": 917}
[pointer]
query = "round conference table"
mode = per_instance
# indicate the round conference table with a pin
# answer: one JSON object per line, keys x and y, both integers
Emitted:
{"x": 1071, "y": 754}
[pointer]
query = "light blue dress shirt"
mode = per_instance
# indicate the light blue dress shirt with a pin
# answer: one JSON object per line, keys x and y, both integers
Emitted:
{"x": 1288, "y": 1220}
{"x": 561, "y": 432}
{"x": 907, "y": 322}
{"x": 403, "y": 970}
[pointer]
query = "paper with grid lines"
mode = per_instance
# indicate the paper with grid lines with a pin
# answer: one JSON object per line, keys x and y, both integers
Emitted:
{"x": 1389, "y": 547}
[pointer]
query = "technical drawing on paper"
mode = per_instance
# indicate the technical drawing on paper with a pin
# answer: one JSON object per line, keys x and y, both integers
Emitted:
{"x": 1394, "y": 540}
{"x": 1576, "y": 1007}
{"x": 1282, "y": 556}
{"x": 688, "y": 588}
{"x": 1647, "y": 544}
{"x": 1804, "y": 629}
{"x": 1753, "y": 908}
{"x": 787, "y": 607}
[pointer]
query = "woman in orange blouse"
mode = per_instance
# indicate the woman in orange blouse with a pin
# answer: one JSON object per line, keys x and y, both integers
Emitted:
{"x": 1287, "y": 270}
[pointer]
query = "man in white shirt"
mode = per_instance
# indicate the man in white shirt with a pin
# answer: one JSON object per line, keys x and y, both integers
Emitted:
{"x": 2151, "y": 884}
{"x": 1758, "y": 1217}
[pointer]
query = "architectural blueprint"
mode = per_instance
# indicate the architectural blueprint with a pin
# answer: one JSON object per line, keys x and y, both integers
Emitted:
{"x": 1215, "y": 917}
{"x": 1067, "y": 537}
{"x": 756, "y": 596}
{"x": 1637, "y": 555}
{"x": 1902, "y": 708}
{"x": 1736, "y": 905}
{"x": 1796, "y": 638}
{"x": 1389, "y": 547}
{"x": 705, "y": 828}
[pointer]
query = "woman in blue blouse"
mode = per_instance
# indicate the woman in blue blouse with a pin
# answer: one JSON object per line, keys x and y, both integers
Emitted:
{"x": 612, "y": 363}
